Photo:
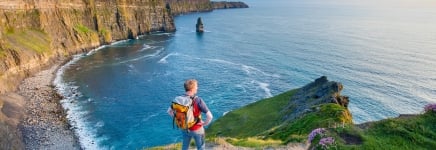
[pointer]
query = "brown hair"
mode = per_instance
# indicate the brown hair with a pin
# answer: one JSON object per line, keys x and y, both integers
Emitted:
{"x": 190, "y": 84}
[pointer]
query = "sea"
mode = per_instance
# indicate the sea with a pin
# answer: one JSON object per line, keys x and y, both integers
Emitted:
{"x": 382, "y": 51}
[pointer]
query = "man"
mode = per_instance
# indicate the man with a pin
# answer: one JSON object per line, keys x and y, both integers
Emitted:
{"x": 197, "y": 130}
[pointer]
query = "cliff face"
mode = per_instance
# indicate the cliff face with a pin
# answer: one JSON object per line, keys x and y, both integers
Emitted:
{"x": 178, "y": 7}
{"x": 33, "y": 33}
{"x": 225, "y": 5}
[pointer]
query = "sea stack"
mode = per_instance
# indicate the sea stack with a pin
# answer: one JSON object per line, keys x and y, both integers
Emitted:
{"x": 199, "y": 25}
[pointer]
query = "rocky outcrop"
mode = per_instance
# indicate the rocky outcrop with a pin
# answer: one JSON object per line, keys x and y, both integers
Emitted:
{"x": 199, "y": 26}
{"x": 225, "y": 5}
{"x": 320, "y": 91}
{"x": 11, "y": 112}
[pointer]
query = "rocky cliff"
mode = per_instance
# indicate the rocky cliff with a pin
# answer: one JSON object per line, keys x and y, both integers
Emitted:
{"x": 178, "y": 7}
{"x": 33, "y": 33}
{"x": 225, "y": 5}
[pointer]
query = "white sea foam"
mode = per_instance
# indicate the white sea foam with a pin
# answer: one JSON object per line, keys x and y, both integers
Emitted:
{"x": 242, "y": 87}
{"x": 95, "y": 50}
{"x": 161, "y": 33}
{"x": 88, "y": 138}
{"x": 149, "y": 117}
{"x": 142, "y": 57}
{"x": 164, "y": 59}
{"x": 264, "y": 87}
{"x": 76, "y": 116}
{"x": 246, "y": 68}
{"x": 99, "y": 124}
{"x": 224, "y": 113}
{"x": 118, "y": 42}
{"x": 146, "y": 47}
{"x": 132, "y": 68}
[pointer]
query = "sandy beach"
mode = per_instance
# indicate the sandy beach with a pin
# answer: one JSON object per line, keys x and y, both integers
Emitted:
{"x": 44, "y": 125}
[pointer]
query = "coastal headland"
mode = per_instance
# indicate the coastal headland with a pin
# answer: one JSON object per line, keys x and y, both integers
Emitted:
{"x": 36, "y": 37}
{"x": 316, "y": 116}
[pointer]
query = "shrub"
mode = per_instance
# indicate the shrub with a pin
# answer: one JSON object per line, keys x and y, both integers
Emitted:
{"x": 326, "y": 142}
{"x": 319, "y": 139}
{"x": 314, "y": 133}
{"x": 430, "y": 107}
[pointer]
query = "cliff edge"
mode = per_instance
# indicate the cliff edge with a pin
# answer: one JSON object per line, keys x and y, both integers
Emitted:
{"x": 316, "y": 117}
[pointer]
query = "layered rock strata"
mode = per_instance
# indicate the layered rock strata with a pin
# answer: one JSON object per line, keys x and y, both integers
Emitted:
{"x": 33, "y": 33}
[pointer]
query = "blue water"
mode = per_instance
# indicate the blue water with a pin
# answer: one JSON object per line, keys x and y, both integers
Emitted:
{"x": 384, "y": 53}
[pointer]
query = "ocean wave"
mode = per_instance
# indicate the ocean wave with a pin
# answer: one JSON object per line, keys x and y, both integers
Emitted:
{"x": 156, "y": 53}
{"x": 95, "y": 50}
{"x": 224, "y": 113}
{"x": 163, "y": 60}
{"x": 75, "y": 115}
{"x": 246, "y": 68}
{"x": 149, "y": 117}
{"x": 120, "y": 41}
{"x": 264, "y": 87}
{"x": 146, "y": 47}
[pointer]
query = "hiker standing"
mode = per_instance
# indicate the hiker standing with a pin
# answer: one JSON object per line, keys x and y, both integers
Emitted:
{"x": 186, "y": 112}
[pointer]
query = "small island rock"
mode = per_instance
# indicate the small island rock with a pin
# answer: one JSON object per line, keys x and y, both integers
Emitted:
{"x": 199, "y": 25}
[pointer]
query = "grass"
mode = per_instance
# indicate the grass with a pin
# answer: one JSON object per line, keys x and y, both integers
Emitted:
{"x": 86, "y": 33}
{"x": 398, "y": 133}
{"x": 252, "y": 119}
{"x": 328, "y": 116}
{"x": 29, "y": 39}
{"x": 264, "y": 119}
{"x": 2, "y": 53}
{"x": 107, "y": 37}
{"x": 176, "y": 146}
{"x": 253, "y": 142}
{"x": 260, "y": 124}
{"x": 80, "y": 28}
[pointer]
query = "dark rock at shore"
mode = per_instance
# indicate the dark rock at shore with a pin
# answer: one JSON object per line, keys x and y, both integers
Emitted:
{"x": 199, "y": 26}
{"x": 318, "y": 92}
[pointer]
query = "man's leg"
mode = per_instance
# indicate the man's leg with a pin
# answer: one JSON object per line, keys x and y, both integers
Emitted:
{"x": 199, "y": 137}
{"x": 186, "y": 140}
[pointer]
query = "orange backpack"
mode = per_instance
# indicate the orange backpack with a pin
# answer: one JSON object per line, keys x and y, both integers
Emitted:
{"x": 183, "y": 108}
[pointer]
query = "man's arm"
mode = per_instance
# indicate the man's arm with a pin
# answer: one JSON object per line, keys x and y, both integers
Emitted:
{"x": 208, "y": 118}
{"x": 170, "y": 112}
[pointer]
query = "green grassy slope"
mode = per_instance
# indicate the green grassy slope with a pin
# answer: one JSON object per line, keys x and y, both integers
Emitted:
{"x": 262, "y": 121}
{"x": 256, "y": 124}
{"x": 252, "y": 119}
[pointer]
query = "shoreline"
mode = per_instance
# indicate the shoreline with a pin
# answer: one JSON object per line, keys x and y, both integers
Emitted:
{"x": 45, "y": 124}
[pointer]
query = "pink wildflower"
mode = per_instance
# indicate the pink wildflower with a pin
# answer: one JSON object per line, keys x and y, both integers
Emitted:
{"x": 312, "y": 135}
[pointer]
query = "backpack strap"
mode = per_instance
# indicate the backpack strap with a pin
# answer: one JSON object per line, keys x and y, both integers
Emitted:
{"x": 196, "y": 108}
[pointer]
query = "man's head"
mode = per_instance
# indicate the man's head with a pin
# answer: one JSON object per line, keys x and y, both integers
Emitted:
{"x": 191, "y": 85}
